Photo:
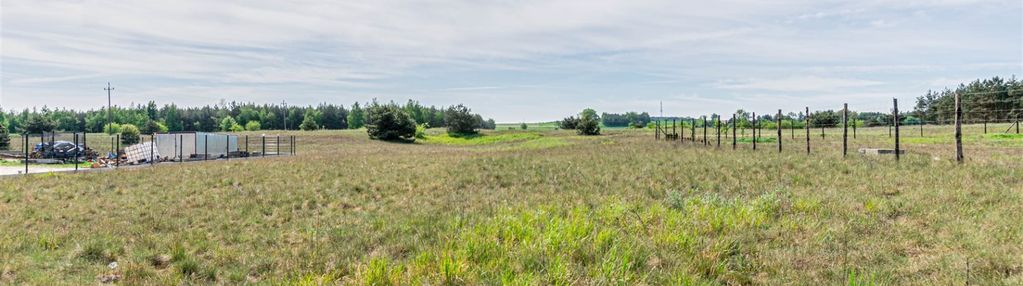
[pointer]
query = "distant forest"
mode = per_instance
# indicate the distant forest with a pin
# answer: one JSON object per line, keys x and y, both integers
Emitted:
{"x": 223, "y": 117}
{"x": 994, "y": 100}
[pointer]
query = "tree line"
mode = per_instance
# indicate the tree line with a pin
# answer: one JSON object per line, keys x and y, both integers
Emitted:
{"x": 150, "y": 118}
{"x": 994, "y": 100}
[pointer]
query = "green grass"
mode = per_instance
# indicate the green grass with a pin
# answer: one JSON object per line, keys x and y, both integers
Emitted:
{"x": 16, "y": 163}
{"x": 481, "y": 138}
{"x": 556, "y": 208}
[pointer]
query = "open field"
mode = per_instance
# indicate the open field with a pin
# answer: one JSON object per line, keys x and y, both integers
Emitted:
{"x": 529, "y": 208}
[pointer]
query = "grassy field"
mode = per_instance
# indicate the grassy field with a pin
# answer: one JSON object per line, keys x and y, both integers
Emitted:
{"x": 535, "y": 207}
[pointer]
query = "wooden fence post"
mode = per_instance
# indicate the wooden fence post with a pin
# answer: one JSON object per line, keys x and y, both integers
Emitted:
{"x": 895, "y": 122}
{"x": 717, "y": 124}
{"x": 959, "y": 131}
{"x": 657, "y": 130}
{"x": 692, "y": 129}
{"x": 845, "y": 129}
{"x": 754, "y": 131}
{"x": 779, "y": 130}
{"x": 807, "y": 118}
{"x": 705, "y": 131}
{"x": 735, "y": 139}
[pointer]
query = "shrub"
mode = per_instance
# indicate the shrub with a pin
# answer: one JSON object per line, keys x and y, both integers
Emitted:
{"x": 229, "y": 124}
{"x": 523, "y": 126}
{"x": 390, "y": 123}
{"x": 5, "y": 137}
{"x": 309, "y": 122}
{"x": 421, "y": 130}
{"x": 459, "y": 120}
{"x": 489, "y": 124}
{"x": 112, "y": 128}
{"x": 153, "y": 126}
{"x": 253, "y": 126}
{"x": 130, "y": 134}
{"x": 569, "y": 123}
{"x": 589, "y": 123}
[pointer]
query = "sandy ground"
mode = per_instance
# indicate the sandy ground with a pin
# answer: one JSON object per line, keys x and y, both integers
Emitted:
{"x": 32, "y": 169}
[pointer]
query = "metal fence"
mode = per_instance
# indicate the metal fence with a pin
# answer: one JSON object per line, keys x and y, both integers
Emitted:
{"x": 56, "y": 152}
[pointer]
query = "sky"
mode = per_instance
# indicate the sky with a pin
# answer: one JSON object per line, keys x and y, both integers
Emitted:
{"x": 514, "y": 61}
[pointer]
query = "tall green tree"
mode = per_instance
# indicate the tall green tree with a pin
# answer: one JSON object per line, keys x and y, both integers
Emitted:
{"x": 356, "y": 117}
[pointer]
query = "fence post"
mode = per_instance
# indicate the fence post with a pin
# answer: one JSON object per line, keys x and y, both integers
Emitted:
{"x": 807, "y": 127}
{"x": 293, "y": 145}
{"x": 985, "y": 125}
{"x": 754, "y": 131}
{"x": 921, "y": 127}
{"x": 205, "y": 147}
{"x": 85, "y": 142}
{"x": 854, "y": 128}
{"x": 959, "y": 131}
{"x": 246, "y": 145}
{"x": 692, "y": 129}
{"x": 890, "y": 129}
{"x": 181, "y": 148}
{"x": 673, "y": 130}
{"x": 779, "y": 130}
{"x": 895, "y": 122}
{"x": 117, "y": 152}
{"x": 717, "y": 124}
{"x": 845, "y": 129}
{"x": 278, "y": 144}
{"x": 152, "y": 149}
{"x": 26, "y": 152}
{"x": 227, "y": 148}
{"x": 735, "y": 140}
{"x": 75, "y": 160}
{"x": 657, "y": 130}
{"x": 263, "y": 139}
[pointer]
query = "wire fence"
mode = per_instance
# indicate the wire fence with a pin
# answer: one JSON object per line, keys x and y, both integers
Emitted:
{"x": 995, "y": 137}
{"x": 58, "y": 152}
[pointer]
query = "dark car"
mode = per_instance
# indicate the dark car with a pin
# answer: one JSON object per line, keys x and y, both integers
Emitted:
{"x": 59, "y": 150}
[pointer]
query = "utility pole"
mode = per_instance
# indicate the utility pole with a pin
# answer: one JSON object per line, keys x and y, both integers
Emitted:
{"x": 109, "y": 114}
{"x": 285, "y": 104}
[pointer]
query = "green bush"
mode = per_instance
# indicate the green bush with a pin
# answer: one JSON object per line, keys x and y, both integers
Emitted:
{"x": 460, "y": 120}
{"x": 229, "y": 124}
{"x": 523, "y": 126}
{"x": 153, "y": 126}
{"x": 253, "y": 126}
{"x": 589, "y": 123}
{"x": 309, "y": 122}
{"x": 390, "y": 123}
{"x": 421, "y": 130}
{"x": 130, "y": 134}
{"x": 112, "y": 128}
{"x": 569, "y": 123}
{"x": 5, "y": 137}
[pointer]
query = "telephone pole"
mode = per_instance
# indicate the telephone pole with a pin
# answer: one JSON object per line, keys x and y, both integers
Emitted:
{"x": 109, "y": 114}
{"x": 285, "y": 104}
